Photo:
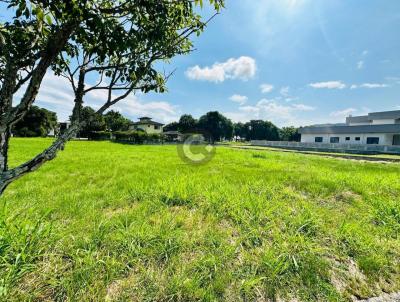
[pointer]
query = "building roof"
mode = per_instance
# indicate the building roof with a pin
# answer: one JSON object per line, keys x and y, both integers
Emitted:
{"x": 395, "y": 114}
{"x": 144, "y": 118}
{"x": 389, "y": 128}
{"x": 148, "y": 123}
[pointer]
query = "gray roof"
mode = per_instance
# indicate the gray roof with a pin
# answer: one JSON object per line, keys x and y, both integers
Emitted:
{"x": 395, "y": 114}
{"x": 147, "y": 123}
{"x": 389, "y": 128}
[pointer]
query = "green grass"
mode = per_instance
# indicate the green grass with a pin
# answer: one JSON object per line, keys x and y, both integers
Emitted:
{"x": 112, "y": 222}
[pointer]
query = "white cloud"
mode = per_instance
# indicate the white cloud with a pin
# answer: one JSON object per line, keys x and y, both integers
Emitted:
{"x": 56, "y": 94}
{"x": 302, "y": 107}
{"x": 270, "y": 110}
{"x": 328, "y": 85}
{"x": 285, "y": 91}
{"x": 360, "y": 65}
{"x": 369, "y": 85}
{"x": 266, "y": 88}
{"x": 243, "y": 68}
{"x": 343, "y": 113}
{"x": 237, "y": 98}
{"x": 365, "y": 52}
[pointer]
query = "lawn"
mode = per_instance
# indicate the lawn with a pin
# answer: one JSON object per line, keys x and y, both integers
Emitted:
{"x": 113, "y": 222}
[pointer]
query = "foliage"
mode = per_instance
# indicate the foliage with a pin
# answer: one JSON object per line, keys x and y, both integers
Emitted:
{"x": 137, "y": 224}
{"x": 36, "y": 122}
{"x": 290, "y": 134}
{"x": 137, "y": 137}
{"x": 115, "y": 121}
{"x": 261, "y": 130}
{"x": 216, "y": 125}
{"x": 94, "y": 122}
{"x": 171, "y": 127}
{"x": 187, "y": 123}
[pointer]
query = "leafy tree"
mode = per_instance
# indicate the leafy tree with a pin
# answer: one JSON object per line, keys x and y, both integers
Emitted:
{"x": 187, "y": 123}
{"x": 216, "y": 125}
{"x": 171, "y": 126}
{"x": 117, "y": 41}
{"x": 115, "y": 121}
{"x": 36, "y": 122}
{"x": 290, "y": 134}
{"x": 262, "y": 130}
{"x": 94, "y": 122}
{"x": 240, "y": 130}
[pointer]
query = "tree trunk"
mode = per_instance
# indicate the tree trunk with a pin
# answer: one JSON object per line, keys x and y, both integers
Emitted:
{"x": 4, "y": 140}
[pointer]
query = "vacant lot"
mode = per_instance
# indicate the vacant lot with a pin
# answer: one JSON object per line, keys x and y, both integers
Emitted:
{"x": 107, "y": 221}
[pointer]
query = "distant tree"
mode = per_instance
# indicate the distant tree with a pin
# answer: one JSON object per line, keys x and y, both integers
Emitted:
{"x": 171, "y": 126}
{"x": 187, "y": 123}
{"x": 115, "y": 121}
{"x": 290, "y": 134}
{"x": 36, "y": 122}
{"x": 240, "y": 130}
{"x": 216, "y": 125}
{"x": 262, "y": 130}
{"x": 94, "y": 122}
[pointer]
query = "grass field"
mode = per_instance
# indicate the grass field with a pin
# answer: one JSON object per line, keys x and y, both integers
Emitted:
{"x": 113, "y": 222}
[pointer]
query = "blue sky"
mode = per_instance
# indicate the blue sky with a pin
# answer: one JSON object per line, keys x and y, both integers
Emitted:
{"x": 294, "y": 62}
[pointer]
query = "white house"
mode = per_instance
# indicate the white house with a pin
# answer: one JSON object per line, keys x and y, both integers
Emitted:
{"x": 377, "y": 128}
{"x": 147, "y": 125}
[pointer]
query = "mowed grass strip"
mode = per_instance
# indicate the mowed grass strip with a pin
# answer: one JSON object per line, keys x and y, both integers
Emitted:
{"x": 113, "y": 222}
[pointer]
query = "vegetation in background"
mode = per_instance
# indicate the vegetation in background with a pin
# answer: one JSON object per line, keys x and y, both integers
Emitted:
{"x": 290, "y": 134}
{"x": 115, "y": 121}
{"x": 248, "y": 226}
{"x": 36, "y": 122}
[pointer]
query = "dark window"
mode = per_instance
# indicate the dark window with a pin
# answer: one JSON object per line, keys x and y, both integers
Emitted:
{"x": 358, "y": 138}
{"x": 373, "y": 140}
{"x": 319, "y": 139}
{"x": 156, "y": 127}
{"x": 347, "y": 138}
{"x": 334, "y": 140}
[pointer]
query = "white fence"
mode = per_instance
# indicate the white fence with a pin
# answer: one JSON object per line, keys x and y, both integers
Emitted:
{"x": 329, "y": 147}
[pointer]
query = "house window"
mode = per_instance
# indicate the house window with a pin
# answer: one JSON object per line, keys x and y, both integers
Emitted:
{"x": 319, "y": 139}
{"x": 334, "y": 140}
{"x": 373, "y": 140}
{"x": 156, "y": 127}
{"x": 347, "y": 138}
{"x": 358, "y": 138}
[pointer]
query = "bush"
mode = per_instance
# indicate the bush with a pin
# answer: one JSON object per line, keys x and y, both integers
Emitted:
{"x": 100, "y": 135}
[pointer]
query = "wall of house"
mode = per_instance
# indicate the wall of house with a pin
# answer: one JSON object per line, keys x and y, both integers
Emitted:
{"x": 383, "y": 121}
{"x": 384, "y": 139}
{"x": 149, "y": 128}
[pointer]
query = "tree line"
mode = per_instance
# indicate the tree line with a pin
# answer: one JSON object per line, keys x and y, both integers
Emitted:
{"x": 217, "y": 127}
{"x": 220, "y": 128}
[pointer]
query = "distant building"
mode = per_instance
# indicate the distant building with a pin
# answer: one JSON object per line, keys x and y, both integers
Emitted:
{"x": 377, "y": 128}
{"x": 147, "y": 125}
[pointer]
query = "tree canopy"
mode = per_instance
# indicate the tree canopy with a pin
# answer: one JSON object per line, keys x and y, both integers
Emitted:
{"x": 36, "y": 122}
{"x": 115, "y": 121}
{"x": 216, "y": 125}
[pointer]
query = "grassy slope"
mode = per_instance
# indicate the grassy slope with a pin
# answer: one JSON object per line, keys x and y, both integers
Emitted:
{"x": 134, "y": 223}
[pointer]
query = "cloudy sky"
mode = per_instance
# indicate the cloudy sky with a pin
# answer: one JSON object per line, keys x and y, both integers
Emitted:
{"x": 294, "y": 62}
